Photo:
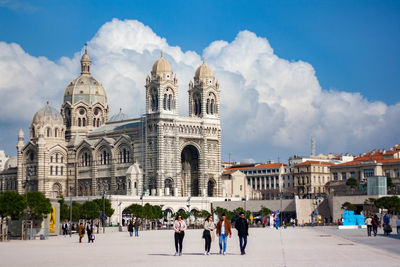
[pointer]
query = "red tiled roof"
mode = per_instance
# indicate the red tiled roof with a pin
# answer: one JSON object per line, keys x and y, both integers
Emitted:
{"x": 227, "y": 172}
{"x": 258, "y": 166}
{"x": 358, "y": 162}
{"x": 309, "y": 162}
{"x": 391, "y": 152}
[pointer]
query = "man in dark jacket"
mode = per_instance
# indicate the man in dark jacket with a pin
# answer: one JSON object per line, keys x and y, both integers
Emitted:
{"x": 89, "y": 231}
{"x": 242, "y": 227}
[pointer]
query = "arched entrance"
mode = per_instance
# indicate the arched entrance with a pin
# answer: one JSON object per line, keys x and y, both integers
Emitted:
{"x": 190, "y": 170}
{"x": 211, "y": 188}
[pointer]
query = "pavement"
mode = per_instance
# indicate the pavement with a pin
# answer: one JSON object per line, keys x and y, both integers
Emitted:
{"x": 267, "y": 247}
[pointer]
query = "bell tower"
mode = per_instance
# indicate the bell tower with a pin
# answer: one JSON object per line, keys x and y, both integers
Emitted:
{"x": 161, "y": 89}
{"x": 204, "y": 94}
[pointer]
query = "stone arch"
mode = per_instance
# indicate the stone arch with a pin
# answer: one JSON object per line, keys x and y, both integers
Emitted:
{"x": 190, "y": 161}
{"x": 211, "y": 187}
{"x": 57, "y": 189}
{"x": 84, "y": 156}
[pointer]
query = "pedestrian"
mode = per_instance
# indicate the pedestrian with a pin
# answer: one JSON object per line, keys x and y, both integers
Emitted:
{"x": 89, "y": 232}
{"x": 179, "y": 227}
{"x": 137, "y": 225}
{"x": 387, "y": 229}
{"x": 368, "y": 223}
{"x": 242, "y": 227}
{"x": 224, "y": 230}
{"x": 398, "y": 224}
{"x": 81, "y": 232}
{"x": 277, "y": 222}
{"x": 65, "y": 228}
{"x": 375, "y": 224}
{"x": 208, "y": 233}
{"x": 130, "y": 228}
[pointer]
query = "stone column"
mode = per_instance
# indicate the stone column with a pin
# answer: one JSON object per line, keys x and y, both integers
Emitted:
{"x": 94, "y": 176}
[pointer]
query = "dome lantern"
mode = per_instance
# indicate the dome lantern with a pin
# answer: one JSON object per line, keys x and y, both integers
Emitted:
{"x": 85, "y": 62}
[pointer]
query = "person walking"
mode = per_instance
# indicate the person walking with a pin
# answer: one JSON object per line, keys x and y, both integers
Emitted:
{"x": 137, "y": 225}
{"x": 242, "y": 227}
{"x": 179, "y": 227}
{"x": 130, "y": 228}
{"x": 208, "y": 233}
{"x": 89, "y": 232}
{"x": 387, "y": 229}
{"x": 398, "y": 224}
{"x": 65, "y": 228}
{"x": 375, "y": 224}
{"x": 277, "y": 222}
{"x": 81, "y": 231}
{"x": 368, "y": 223}
{"x": 223, "y": 231}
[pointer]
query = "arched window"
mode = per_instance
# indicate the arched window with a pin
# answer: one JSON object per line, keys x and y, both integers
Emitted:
{"x": 98, "y": 122}
{"x": 169, "y": 102}
{"x": 94, "y": 122}
{"x": 51, "y": 170}
{"x": 104, "y": 157}
{"x": 48, "y": 132}
{"x": 79, "y": 122}
{"x": 212, "y": 106}
{"x": 125, "y": 154}
{"x": 61, "y": 170}
{"x": 165, "y": 102}
{"x": 55, "y": 132}
{"x": 56, "y": 170}
{"x": 208, "y": 106}
{"x": 51, "y": 159}
{"x": 83, "y": 122}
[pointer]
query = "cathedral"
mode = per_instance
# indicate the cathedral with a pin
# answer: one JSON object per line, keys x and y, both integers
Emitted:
{"x": 80, "y": 150}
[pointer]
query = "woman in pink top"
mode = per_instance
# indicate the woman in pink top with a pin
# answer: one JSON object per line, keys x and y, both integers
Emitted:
{"x": 179, "y": 227}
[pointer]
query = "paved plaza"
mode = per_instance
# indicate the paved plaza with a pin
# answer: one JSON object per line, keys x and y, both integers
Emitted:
{"x": 267, "y": 247}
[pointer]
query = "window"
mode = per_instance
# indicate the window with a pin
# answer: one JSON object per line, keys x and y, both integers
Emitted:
{"x": 48, "y": 132}
{"x": 51, "y": 159}
{"x": 61, "y": 170}
{"x": 51, "y": 170}
{"x": 165, "y": 102}
{"x": 396, "y": 173}
{"x": 352, "y": 175}
{"x": 56, "y": 157}
{"x": 169, "y": 102}
{"x": 344, "y": 176}
{"x": 241, "y": 187}
{"x": 56, "y": 170}
{"x": 369, "y": 172}
{"x": 79, "y": 122}
{"x": 335, "y": 177}
{"x": 212, "y": 106}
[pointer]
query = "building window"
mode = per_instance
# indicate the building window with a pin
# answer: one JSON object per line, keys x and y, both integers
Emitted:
{"x": 344, "y": 176}
{"x": 56, "y": 170}
{"x": 51, "y": 170}
{"x": 61, "y": 170}
{"x": 352, "y": 175}
{"x": 335, "y": 177}
{"x": 369, "y": 172}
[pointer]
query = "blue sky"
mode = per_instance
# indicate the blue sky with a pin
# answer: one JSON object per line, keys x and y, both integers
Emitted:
{"x": 352, "y": 45}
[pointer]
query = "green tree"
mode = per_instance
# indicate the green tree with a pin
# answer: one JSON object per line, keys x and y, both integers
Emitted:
{"x": 264, "y": 211}
{"x": 183, "y": 214}
{"x": 76, "y": 211}
{"x": 352, "y": 182}
{"x": 349, "y": 206}
{"x": 12, "y": 205}
{"x": 90, "y": 210}
{"x": 392, "y": 204}
{"x": 107, "y": 204}
{"x": 64, "y": 209}
{"x": 38, "y": 205}
{"x": 148, "y": 212}
{"x": 157, "y": 212}
{"x": 136, "y": 210}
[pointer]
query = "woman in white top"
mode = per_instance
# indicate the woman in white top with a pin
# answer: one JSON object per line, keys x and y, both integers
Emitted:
{"x": 208, "y": 233}
{"x": 179, "y": 227}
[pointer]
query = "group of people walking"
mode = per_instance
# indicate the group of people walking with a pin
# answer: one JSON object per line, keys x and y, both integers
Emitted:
{"x": 373, "y": 222}
{"x": 222, "y": 230}
{"x": 133, "y": 226}
{"x": 88, "y": 230}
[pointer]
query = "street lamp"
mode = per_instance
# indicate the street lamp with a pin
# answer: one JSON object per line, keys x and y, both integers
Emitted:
{"x": 70, "y": 211}
{"x": 104, "y": 209}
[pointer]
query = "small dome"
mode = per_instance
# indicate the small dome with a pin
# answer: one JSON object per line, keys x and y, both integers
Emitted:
{"x": 119, "y": 117}
{"x": 47, "y": 115}
{"x": 85, "y": 58}
{"x": 161, "y": 65}
{"x": 203, "y": 71}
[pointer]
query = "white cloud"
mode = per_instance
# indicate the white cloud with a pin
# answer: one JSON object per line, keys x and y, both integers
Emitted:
{"x": 269, "y": 106}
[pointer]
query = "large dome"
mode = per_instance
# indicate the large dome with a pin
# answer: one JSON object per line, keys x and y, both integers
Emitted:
{"x": 47, "y": 115}
{"x": 85, "y": 88}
